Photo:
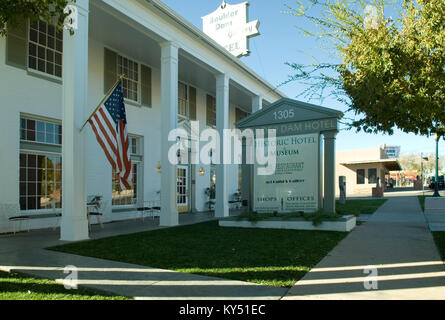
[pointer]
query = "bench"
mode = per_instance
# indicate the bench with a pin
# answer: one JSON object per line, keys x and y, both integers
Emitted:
{"x": 150, "y": 206}
{"x": 235, "y": 204}
{"x": 34, "y": 216}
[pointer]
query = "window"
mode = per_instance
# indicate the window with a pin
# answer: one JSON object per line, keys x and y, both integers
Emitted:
{"x": 240, "y": 114}
{"x": 40, "y": 174}
{"x": 186, "y": 101}
{"x": 40, "y": 181}
{"x": 183, "y": 109}
{"x": 211, "y": 110}
{"x": 130, "y": 82}
{"x": 372, "y": 175}
{"x": 136, "y": 85}
{"x": 360, "y": 176}
{"x": 45, "y": 48}
{"x": 125, "y": 197}
{"x": 120, "y": 196}
{"x": 40, "y": 131}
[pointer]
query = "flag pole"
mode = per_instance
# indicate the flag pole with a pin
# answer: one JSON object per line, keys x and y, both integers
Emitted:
{"x": 102, "y": 101}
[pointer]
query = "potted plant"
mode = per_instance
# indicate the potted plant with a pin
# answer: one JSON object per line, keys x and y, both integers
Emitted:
{"x": 210, "y": 193}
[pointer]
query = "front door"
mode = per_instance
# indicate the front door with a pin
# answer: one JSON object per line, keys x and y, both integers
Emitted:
{"x": 182, "y": 188}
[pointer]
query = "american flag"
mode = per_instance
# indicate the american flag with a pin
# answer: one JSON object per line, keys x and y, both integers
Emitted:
{"x": 109, "y": 123}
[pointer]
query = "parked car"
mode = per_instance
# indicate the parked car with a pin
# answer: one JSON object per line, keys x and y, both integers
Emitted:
{"x": 441, "y": 183}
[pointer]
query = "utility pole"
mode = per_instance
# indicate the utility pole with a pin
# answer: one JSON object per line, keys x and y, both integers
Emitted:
{"x": 436, "y": 182}
{"x": 421, "y": 170}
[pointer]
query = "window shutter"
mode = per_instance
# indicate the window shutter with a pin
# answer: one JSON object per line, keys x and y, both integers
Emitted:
{"x": 110, "y": 69}
{"x": 192, "y": 103}
{"x": 208, "y": 109}
{"x": 146, "y": 86}
{"x": 240, "y": 114}
{"x": 16, "y": 46}
{"x": 211, "y": 111}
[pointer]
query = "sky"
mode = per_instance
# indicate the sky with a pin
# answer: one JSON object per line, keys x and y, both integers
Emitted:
{"x": 281, "y": 42}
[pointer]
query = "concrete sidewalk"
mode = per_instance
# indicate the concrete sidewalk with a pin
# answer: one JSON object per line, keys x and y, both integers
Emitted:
{"x": 397, "y": 241}
{"x": 25, "y": 253}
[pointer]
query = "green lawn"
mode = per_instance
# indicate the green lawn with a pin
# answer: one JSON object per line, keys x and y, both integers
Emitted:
{"x": 15, "y": 286}
{"x": 422, "y": 201}
{"x": 268, "y": 256}
{"x": 439, "y": 239}
{"x": 365, "y": 206}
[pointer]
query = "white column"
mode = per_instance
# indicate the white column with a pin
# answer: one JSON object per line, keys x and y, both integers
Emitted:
{"x": 222, "y": 122}
{"x": 329, "y": 171}
{"x": 74, "y": 226}
{"x": 169, "y": 121}
{"x": 257, "y": 103}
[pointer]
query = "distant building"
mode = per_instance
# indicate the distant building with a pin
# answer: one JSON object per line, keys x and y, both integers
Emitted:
{"x": 362, "y": 168}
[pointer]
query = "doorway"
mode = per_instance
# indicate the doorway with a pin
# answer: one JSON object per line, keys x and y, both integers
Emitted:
{"x": 182, "y": 188}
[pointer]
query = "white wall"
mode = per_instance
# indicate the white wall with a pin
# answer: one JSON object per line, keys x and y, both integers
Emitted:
{"x": 27, "y": 93}
{"x": 20, "y": 92}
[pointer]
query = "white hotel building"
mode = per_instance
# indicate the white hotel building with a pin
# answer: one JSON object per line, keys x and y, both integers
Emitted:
{"x": 51, "y": 82}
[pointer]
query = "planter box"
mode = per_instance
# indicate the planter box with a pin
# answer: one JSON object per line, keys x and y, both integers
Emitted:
{"x": 346, "y": 224}
{"x": 435, "y": 210}
{"x": 377, "y": 192}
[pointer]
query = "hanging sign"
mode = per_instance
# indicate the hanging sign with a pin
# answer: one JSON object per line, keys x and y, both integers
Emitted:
{"x": 229, "y": 27}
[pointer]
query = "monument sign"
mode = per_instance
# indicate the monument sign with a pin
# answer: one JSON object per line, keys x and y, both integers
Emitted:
{"x": 297, "y": 183}
{"x": 293, "y": 186}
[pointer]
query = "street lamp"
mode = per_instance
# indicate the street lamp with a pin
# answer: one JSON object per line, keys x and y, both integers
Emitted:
{"x": 421, "y": 169}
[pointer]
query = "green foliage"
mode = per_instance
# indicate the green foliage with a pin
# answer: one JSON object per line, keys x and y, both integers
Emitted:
{"x": 316, "y": 217}
{"x": 439, "y": 240}
{"x": 319, "y": 216}
{"x": 211, "y": 194}
{"x": 391, "y": 71}
{"x": 13, "y": 12}
{"x": 422, "y": 201}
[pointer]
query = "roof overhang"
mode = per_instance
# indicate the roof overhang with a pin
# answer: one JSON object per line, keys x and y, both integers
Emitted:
{"x": 389, "y": 164}
{"x": 212, "y": 43}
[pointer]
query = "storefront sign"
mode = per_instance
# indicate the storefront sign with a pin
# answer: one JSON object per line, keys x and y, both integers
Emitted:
{"x": 294, "y": 186}
{"x": 229, "y": 27}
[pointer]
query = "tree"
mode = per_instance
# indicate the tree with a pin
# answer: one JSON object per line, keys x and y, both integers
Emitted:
{"x": 412, "y": 162}
{"x": 391, "y": 72}
{"x": 13, "y": 12}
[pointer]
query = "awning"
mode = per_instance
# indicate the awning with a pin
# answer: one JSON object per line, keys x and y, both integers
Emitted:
{"x": 389, "y": 164}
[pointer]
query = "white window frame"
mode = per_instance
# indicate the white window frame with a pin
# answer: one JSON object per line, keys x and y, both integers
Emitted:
{"x": 40, "y": 119}
{"x": 37, "y": 71}
{"x": 139, "y": 90}
{"x": 46, "y": 154}
{"x": 41, "y": 152}
{"x": 185, "y": 186}
{"x": 138, "y": 159}
{"x": 187, "y": 101}
{"x": 214, "y": 97}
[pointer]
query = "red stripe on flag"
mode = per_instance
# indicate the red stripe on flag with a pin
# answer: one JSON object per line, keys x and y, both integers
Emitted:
{"x": 107, "y": 122}
{"x": 101, "y": 143}
{"x": 111, "y": 143}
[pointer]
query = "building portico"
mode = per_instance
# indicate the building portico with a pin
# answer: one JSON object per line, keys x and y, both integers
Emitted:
{"x": 175, "y": 74}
